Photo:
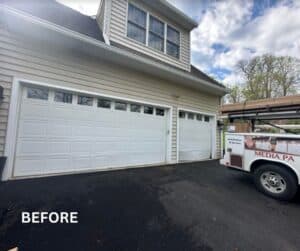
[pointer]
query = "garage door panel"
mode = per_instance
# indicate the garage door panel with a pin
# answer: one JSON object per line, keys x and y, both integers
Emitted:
{"x": 28, "y": 166}
{"x": 54, "y": 137}
{"x": 195, "y": 138}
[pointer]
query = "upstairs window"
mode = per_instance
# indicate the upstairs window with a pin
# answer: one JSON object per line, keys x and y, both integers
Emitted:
{"x": 136, "y": 26}
{"x": 152, "y": 32}
{"x": 173, "y": 42}
{"x": 156, "y": 34}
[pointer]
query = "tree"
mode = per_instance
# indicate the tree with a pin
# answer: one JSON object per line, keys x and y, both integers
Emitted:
{"x": 287, "y": 76}
{"x": 235, "y": 95}
{"x": 268, "y": 76}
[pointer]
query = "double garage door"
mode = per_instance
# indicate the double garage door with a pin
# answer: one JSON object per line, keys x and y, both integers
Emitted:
{"x": 65, "y": 132}
{"x": 62, "y": 132}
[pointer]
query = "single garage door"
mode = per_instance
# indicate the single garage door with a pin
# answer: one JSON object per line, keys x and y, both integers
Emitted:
{"x": 60, "y": 131}
{"x": 195, "y": 136}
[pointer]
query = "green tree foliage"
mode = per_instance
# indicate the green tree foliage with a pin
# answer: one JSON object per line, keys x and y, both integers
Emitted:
{"x": 266, "y": 76}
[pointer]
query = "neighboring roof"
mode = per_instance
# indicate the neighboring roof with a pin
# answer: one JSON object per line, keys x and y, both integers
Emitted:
{"x": 59, "y": 14}
{"x": 172, "y": 13}
{"x": 266, "y": 104}
{"x": 197, "y": 73}
{"x": 194, "y": 71}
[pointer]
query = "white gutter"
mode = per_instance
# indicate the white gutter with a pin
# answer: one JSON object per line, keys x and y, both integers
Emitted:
{"x": 218, "y": 90}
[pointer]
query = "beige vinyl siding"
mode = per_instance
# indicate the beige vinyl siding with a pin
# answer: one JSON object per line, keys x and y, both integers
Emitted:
{"x": 65, "y": 69}
{"x": 100, "y": 17}
{"x": 5, "y": 82}
{"x": 118, "y": 33}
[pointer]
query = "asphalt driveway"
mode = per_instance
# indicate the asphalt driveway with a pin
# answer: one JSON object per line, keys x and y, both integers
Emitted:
{"x": 199, "y": 206}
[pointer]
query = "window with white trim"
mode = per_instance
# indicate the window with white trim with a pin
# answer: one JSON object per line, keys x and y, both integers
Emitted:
{"x": 136, "y": 25}
{"x": 152, "y": 32}
{"x": 156, "y": 34}
{"x": 173, "y": 41}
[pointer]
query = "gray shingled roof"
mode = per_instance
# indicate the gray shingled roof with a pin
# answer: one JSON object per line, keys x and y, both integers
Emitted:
{"x": 59, "y": 14}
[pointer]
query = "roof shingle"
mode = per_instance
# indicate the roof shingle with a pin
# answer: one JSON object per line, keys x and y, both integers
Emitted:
{"x": 59, "y": 14}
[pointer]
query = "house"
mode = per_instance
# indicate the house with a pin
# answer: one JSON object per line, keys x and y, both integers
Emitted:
{"x": 84, "y": 94}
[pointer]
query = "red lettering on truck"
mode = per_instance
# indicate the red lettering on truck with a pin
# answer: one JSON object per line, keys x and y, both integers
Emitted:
{"x": 273, "y": 155}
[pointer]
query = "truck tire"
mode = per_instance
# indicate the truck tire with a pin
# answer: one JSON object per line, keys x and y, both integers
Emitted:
{"x": 276, "y": 181}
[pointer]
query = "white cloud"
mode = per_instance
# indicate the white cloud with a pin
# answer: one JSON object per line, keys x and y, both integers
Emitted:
{"x": 221, "y": 19}
{"x": 89, "y": 7}
{"x": 231, "y": 23}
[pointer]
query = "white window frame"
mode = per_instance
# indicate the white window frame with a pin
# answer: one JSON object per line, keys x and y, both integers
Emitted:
{"x": 166, "y": 24}
{"x": 147, "y": 24}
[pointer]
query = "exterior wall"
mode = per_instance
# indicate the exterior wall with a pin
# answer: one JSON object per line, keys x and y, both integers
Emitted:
{"x": 118, "y": 33}
{"x": 100, "y": 15}
{"x": 66, "y": 69}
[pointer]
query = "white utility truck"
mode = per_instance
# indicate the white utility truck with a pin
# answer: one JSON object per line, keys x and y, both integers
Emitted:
{"x": 273, "y": 159}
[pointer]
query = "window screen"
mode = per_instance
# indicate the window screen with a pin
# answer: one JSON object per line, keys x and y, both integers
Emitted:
{"x": 156, "y": 34}
{"x": 136, "y": 26}
{"x": 173, "y": 42}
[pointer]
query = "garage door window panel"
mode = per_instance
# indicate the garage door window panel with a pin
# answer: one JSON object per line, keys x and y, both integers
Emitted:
{"x": 160, "y": 112}
{"x": 120, "y": 106}
{"x": 37, "y": 93}
{"x": 148, "y": 109}
{"x": 206, "y": 118}
{"x": 190, "y": 116}
{"x": 63, "y": 97}
{"x": 199, "y": 117}
{"x": 104, "y": 103}
{"x": 85, "y": 100}
{"x": 181, "y": 114}
{"x": 135, "y": 108}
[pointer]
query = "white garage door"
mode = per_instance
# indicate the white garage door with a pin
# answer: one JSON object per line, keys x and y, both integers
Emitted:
{"x": 195, "y": 136}
{"x": 64, "y": 132}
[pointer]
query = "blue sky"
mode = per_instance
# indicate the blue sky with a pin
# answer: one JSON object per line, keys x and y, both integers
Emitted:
{"x": 233, "y": 30}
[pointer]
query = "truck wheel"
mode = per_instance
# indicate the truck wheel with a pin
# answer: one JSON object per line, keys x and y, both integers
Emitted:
{"x": 275, "y": 181}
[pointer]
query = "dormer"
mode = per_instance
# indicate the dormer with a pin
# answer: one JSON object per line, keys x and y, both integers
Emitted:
{"x": 152, "y": 28}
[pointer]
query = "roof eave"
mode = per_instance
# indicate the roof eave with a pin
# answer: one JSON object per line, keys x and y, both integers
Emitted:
{"x": 170, "y": 11}
{"x": 109, "y": 53}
